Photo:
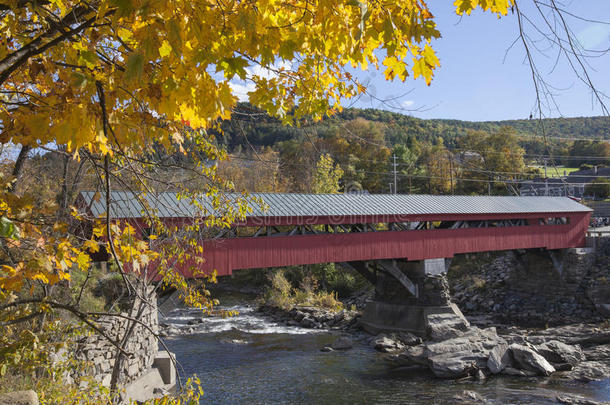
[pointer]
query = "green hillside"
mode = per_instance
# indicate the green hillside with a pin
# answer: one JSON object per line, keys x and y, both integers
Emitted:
{"x": 251, "y": 127}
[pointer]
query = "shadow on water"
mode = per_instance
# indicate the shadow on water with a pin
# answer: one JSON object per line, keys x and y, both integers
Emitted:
{"x": 251, "y": 360}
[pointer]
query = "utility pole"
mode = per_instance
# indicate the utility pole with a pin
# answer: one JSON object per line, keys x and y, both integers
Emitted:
{"x": 451, "y": 170}
{"x": 545, "y": 167}
{"x": 395, "y": 165}
{"x": 391, "y": 188}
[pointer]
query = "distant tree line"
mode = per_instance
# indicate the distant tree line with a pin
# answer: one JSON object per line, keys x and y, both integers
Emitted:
{"x": 432, "y": 156}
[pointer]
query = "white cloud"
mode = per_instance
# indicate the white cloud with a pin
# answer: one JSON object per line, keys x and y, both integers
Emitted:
{"x": 242, "y": 87}
{"x": 594, "y": 35}
{"x": 407, "y": 103}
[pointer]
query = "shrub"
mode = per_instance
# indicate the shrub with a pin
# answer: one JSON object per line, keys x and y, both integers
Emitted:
{"x": 282, "y": 295}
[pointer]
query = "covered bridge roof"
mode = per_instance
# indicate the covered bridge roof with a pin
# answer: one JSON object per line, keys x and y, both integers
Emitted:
{"x": 167, "y": 205}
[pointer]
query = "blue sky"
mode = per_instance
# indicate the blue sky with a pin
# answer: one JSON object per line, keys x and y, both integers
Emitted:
{"x": 478, "y": 81}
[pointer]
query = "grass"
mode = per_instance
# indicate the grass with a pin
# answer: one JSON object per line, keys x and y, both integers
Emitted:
{"x": 556, "y": 171}
{"x": 282, "y": 294}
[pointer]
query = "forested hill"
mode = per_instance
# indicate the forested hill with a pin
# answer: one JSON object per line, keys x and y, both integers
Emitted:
{"x": 254, "y": 128}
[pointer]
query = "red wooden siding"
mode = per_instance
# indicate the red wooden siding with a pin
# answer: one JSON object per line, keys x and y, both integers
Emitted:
{"x": 226, "y": 255}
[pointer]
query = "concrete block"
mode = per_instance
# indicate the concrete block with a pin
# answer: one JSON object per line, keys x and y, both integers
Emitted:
{"x": 142, "y": 389}
{"x": 164, "y": 363}
{"x": 434, "y": 267}
{"x": 384, "y": 317}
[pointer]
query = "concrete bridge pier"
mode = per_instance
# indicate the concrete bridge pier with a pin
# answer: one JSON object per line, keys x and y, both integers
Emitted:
{"x": 407, "y": 295}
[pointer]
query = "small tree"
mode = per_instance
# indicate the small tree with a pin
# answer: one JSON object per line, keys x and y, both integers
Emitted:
{"x": 599, "y": 188}
{"x": 327, "y": 176}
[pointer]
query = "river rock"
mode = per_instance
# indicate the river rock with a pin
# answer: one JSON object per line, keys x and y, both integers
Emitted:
{"x": 598, "y": 353}
{"x": 499, "y": 359}
{"x": 386, "y": 344}
{"x": 462, "y": 355}
{"x": 453, "y": 365}
{"x": 558, "y": 352}
{"x": 481, "y": 376}
{"x": 527, "y": 359}
{"x": 590, "y": 371}
{"x": 412, "y": 356}
{"x": 342, "y": 343}
{"x": 576, "y": 400}
{"x": 519, "y": 373}
{"x": 468, "y": 397}
{"x": 307, "y": 322}
{"x": 409, "y": 339}
{"x": 445, "y": 326}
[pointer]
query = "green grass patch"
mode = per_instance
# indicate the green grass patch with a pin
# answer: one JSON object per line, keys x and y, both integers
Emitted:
{"x": 556, "y": 171}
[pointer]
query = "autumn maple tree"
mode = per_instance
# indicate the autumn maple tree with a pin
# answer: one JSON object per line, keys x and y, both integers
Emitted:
{"x": 112, "y": 83}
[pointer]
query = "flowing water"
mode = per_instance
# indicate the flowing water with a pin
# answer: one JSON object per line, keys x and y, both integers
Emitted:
{"x": 248, "y": 359}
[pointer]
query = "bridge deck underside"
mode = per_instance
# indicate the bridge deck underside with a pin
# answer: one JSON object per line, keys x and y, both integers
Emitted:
{"x": 227, "y": 255}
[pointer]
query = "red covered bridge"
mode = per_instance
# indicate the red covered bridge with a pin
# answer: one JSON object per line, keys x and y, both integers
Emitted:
{"x": 298, "y": 229}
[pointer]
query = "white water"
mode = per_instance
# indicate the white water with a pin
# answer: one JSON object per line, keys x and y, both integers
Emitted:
{"x": 247, "y": 320}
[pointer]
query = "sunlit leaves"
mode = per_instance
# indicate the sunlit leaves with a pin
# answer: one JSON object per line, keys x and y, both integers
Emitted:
{"x": 495, "y": 6}
{"x": 8, "y": 229}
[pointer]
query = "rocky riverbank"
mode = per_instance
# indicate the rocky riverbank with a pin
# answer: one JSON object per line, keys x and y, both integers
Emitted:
{"x": 576, "y": 352}
{"x": 530, "y": 292}
{"x": 313, "y": 317}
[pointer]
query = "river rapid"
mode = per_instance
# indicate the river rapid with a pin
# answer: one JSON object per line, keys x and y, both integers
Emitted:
{"x": 248, "y": 359}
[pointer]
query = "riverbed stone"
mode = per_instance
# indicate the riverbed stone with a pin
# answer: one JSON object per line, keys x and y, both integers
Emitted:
{"x": 411, "y": 356}
{"x": 499, "y": 359}
{"x": 520, "y": 373}
{"x": 577, "y": 400}
{"x": 559, "y": 352}
{"x": 527, "y": 359}
{"x": 386, "y": 344}
{"x": 452, "y": 365}
{"x": 342, "y": 343}
{"x": 468, "y": 397}
{"x": 409, "y": 339}
{"x": 445, "y": 326}
{"x": 590, "y": 371}
{"x": 307, "y": 322}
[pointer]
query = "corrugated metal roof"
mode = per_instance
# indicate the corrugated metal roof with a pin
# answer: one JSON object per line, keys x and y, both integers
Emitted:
{"x": 127, "y": 205}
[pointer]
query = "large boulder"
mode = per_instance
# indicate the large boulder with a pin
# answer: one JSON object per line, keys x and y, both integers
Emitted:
{"x": 462, "y": 355}
{"x": 445, "y": 326}
{"x": 499, "y": 359}
{"x": 527, "y": 359}
{"x": 453, "y": 364}
{"x": 558, "y": 352}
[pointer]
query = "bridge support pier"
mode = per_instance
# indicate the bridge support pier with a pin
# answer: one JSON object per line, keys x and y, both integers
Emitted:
{"x": 407, "y": 294}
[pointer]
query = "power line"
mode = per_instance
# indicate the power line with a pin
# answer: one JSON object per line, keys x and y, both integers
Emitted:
{"x": 506, "y": 181}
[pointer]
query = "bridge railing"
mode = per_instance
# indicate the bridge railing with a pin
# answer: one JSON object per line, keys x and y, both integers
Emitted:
{"x": 592, "y": 233}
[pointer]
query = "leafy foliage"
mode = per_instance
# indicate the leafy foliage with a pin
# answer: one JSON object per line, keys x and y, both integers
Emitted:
{"x": 120, "y": 90}
{"x": 326, "y": 176}
{"x": 282, "y": 294}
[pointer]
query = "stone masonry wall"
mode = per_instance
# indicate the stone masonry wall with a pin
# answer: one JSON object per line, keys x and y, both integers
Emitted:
{"x": 101, "y": 354}
{"x": 528, "y": 290}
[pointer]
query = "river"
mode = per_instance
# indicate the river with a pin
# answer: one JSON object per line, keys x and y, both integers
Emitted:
{"x": 247, "y": 359}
